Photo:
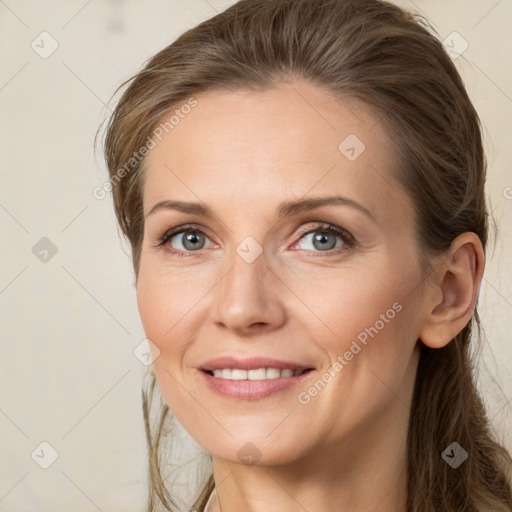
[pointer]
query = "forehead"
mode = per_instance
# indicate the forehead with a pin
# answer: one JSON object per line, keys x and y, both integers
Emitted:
{"x": 292, "y": 140}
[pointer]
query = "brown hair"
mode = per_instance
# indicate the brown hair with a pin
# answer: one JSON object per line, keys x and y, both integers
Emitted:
{"x": 373, "y": 51}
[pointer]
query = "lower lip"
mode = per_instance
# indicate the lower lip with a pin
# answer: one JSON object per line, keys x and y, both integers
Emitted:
{"x": 252, "y": 389}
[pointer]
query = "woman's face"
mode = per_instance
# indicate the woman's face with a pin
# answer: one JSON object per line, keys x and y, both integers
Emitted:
{"x": 261, "y": 278}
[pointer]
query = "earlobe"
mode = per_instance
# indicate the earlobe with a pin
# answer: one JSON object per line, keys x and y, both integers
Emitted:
{"x": 452, "y": 298}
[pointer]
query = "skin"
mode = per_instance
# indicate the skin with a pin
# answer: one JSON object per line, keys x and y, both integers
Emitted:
{"x": 242, "y": 153}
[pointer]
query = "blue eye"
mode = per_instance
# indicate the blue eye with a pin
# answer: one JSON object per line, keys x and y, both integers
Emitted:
{"x": 191, "y": 239}
{"x": 323, "y": 238}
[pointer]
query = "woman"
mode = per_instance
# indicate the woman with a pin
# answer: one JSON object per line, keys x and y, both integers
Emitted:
{"x": 302, "y": 186}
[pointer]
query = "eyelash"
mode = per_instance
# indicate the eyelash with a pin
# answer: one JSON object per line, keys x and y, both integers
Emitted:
{"x": 348, "y": 240}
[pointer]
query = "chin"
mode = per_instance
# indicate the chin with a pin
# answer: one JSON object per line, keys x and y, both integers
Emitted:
{"x": 255, "y": 452}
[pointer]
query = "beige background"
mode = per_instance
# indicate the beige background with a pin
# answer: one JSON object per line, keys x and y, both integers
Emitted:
{"x": 69, "y": 325}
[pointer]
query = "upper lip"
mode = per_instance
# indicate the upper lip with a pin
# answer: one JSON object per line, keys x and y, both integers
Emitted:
{"x": 252, "y": 363}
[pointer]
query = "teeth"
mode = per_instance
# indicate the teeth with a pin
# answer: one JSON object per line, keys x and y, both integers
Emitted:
{"x": 237, "y": 374}
{"x": 259, "y": 374}
{"x": 273, "y": 373}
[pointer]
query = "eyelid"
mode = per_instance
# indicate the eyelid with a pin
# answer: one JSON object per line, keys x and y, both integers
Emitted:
{"x": 348, "y": 238}
{"x": 317, "y": 226}
{"x": 164, "y": 237}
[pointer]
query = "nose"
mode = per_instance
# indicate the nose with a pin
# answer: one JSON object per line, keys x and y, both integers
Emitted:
{"x": 249, "y": 297}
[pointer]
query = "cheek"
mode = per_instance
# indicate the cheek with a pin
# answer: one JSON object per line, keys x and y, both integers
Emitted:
{"x": 352, "y": 302}
{"x": 367, "y": 322}
{"x": 166, "y": 304}
{"x": 153, "y": 311}
{"x": 160, "y": 312}
{"x": 169, "y": 304}
{"x": 369, "y": 343}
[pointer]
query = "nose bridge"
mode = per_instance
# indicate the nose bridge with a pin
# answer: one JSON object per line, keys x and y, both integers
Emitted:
{"x": 246, "y": 294}
{"x": 245, "y": 281}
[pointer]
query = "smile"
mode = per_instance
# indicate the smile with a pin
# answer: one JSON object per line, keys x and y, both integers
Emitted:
{"x": 251, "y": 384}
{"x": 256, "y": 374}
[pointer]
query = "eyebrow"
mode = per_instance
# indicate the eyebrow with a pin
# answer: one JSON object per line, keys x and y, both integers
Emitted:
{"x": 285, "y": 209}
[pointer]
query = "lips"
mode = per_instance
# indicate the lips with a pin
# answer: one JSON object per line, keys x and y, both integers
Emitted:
{"x": 253, "y": 363}
{"x": 250, "y": 388}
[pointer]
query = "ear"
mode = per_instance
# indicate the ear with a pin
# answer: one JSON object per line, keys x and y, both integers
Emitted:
{"x": 452, "y": 297}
